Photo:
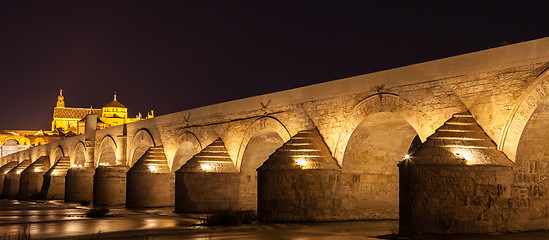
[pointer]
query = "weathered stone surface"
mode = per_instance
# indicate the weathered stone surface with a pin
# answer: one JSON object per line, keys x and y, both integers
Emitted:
{"x": 3, "y": 171}
{"x": 208, "y": 182}
{"x": 12, "y": 180}
{"x": 54, "y": 179}
{"x": 455, "y": 182}
{"x": 149, "y": 181}
{"x": 109, "y": 185}
{"x": 298, "y": 181}
{"x": 79, "y": 185}
{"x": 32, "y": 178}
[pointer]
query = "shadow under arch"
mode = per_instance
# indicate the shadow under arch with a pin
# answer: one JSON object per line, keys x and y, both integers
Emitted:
{"x": 107, "y": 151}
{"x": 140, "y": 143}
{"x": 188, "y": 146}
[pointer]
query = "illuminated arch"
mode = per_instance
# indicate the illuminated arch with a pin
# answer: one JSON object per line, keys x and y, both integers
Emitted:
{"x": 259, "y": 125}
{"x": 24, "y": 141}
{"x": 379, "y": 102}
{"x": 55, "y": 154}
{"x": 188, "y": 146}
{"x": 78, "y": 156}
{"x": 38, "y": 141}
{"x": 523, "y": 109}
{"x": 141, "y": 142}
{"x": 107, "y": 151}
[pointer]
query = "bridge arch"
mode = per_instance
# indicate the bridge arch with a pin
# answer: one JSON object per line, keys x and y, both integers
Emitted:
{"x": 78, "y": 157}
{"x": 55, "y": 154}
{"x": 140, "y": 143}
{"x": 39, "y": 141}
{"x": 375, "y": 137}
{"x": 522, "y": 111}
{"x": 10, "y": 141}
{"x": 24, "y": 141}
{"x": 261, "y": 126}
{"x": 107, "y": 151}
{"x": 188, "y": 146}
{"x": 261, "y": 139}
{"x": 376, "y": 103}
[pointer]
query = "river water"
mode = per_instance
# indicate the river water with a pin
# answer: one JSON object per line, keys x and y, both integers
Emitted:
{"x": 57, "y": 220}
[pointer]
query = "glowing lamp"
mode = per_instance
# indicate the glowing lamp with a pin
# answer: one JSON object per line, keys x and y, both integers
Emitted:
{"x": 74, "y": 165}
{"x": 6, "y": 172}
{"x": 18, "y": 172}
{"x": 206, "y": 167}
{"x": 152, "y": 168}
{"x": 406, "y": 157}
{"x": 37, "y": 169}
{"x": 301, "y": 162}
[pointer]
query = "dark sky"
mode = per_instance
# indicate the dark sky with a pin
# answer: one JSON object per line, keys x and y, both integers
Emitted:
{"x": 171, "y": 56}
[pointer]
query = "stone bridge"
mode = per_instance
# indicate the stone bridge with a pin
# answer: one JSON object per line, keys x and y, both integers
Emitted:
{"x": 323, "y": 152}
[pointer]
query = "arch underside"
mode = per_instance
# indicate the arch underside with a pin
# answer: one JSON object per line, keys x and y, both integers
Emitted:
{"x": 189, "y": 145}
{"x": 141, "y": 142}
{"x": 369, "y": 177}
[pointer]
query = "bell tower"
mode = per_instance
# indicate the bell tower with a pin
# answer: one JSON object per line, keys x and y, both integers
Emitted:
{"x": 60, "y": 100}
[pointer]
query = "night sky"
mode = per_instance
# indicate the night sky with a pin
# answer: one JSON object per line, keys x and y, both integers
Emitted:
{"x": 172, "y": 56}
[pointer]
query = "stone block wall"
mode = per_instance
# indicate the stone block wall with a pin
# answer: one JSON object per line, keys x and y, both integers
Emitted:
{"x": 206, "y": 192}
{"x": 455, "y": 199}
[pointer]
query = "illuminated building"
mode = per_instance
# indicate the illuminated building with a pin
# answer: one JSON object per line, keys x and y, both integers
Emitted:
{"x": 16, "y": 140}
{"x": 70, "y": 121}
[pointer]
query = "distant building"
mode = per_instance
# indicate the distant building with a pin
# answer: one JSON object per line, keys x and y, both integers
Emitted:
{"x": 70, "y": 121}
{"x": 16, "y": 140}
{"x": 67, "y": 121}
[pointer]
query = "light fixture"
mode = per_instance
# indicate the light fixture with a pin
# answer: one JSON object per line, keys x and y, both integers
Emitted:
{"x": 18, "y": 172}
{"x": 152, "y": 168}
{"x": 406, "y": 157}
{"x": 301, "y": 162}
{"x": 206, "y": 167}
{"x": 37, "y": 169}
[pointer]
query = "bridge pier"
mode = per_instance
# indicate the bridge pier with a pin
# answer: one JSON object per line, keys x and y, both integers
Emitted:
{"x": 3, "y": 171}
{"x": 455, "y": 182}
{"x": 208, "y": 182}
{"x": 54, "y": 179}
{"x": 79, "y": 184}
{"x": 32, "y": 179}
{"x": 298, "y": 183}
{"x": 13, "y": 179}
{"x": 109, "y": 185}
{"x": 150, "y": 181}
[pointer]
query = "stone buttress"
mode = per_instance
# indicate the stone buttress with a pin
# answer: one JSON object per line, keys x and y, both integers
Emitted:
{"x": 54, "y": 179}
{"x": 32, "y": 179}
{"x": 109, "y": 185}
{"x": 298, "y": 181}
{"x": 455, "y": 182}
{"x": 208, "y": 182}
{"x": 3, "y": 171}
{"x": 79, "y": 184}
{"x": 149, "y": 181}
{"x": 12, "y": 180}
